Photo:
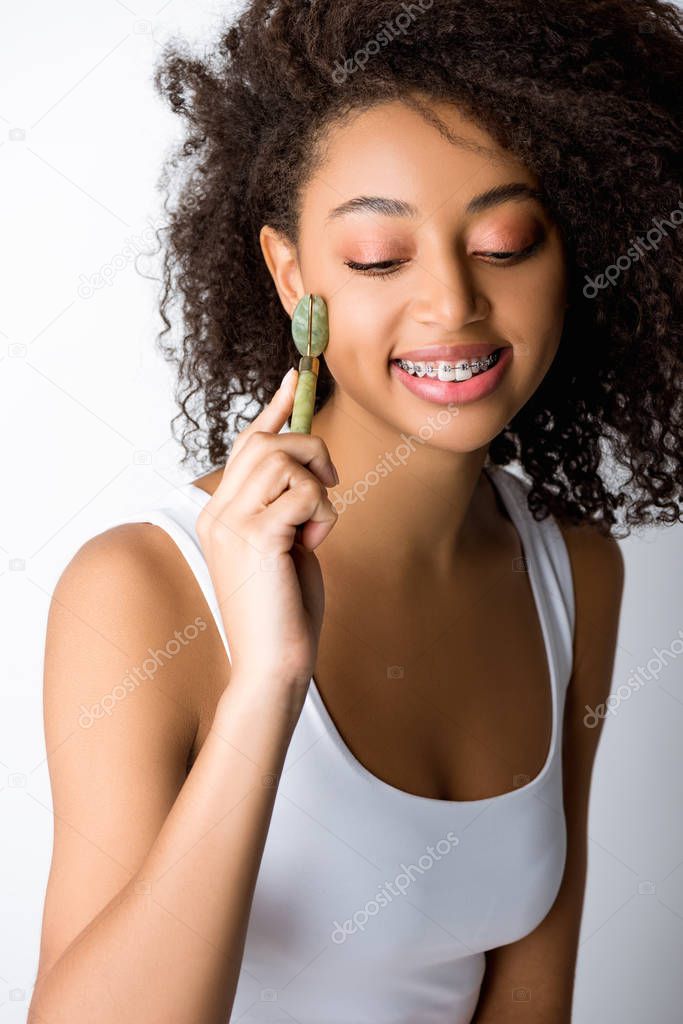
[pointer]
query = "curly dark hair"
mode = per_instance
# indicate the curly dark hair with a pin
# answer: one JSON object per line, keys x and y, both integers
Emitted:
{"x": 586, "y": 93}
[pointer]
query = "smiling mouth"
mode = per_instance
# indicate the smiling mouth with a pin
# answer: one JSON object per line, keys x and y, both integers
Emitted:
{"x": 445, "y": 370}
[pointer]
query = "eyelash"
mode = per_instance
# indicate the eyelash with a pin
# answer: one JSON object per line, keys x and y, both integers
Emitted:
{"x": 368, "y": 271}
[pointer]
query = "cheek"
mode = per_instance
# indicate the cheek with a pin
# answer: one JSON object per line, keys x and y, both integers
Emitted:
{"x": 362, "y": 327}
{"x": 533, "y": 305}
{"x": 547, "y": 316}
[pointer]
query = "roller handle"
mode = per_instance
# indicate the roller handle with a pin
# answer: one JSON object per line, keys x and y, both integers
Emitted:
{"x": 304, "y": 396}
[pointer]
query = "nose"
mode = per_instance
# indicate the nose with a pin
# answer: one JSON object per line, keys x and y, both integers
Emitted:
{"x": 447, "y": 294}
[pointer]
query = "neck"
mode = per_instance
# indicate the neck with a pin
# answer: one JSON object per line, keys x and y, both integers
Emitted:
{"x": 404, "y": 505}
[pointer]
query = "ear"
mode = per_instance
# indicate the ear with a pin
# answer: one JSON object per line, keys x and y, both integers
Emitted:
{"x": 283, "y": 263}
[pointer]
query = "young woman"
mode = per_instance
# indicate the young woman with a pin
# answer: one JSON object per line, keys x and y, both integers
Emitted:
{"x": 368, "y": 803}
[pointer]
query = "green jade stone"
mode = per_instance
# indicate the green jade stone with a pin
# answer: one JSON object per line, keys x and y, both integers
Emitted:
{"x": 320, "y": 332}
{"x": 304, "y": 402}
{"x": 304, "y": 398}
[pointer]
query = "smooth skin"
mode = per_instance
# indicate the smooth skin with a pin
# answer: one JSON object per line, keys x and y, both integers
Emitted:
{"x": 162, "y": 808}
{"x": 154, "y": 867}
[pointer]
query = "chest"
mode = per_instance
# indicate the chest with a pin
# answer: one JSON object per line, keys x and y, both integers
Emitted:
{"x": 425, "y": 699}
{"x": 448, "y": 698}
{"x": 444, "y": 695}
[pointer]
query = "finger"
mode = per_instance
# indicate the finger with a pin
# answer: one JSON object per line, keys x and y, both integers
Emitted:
{"x": 268, "y": 481}
{"x": 275, "y": 414}
{"x": 311, "y": 534}
{"x": 299, "y": 506}
{"x": 310, "y": 576}
{"x": 283, "y": 455}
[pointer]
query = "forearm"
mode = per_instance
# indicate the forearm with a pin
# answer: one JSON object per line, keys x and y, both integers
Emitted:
{"x": 169, "y": 946}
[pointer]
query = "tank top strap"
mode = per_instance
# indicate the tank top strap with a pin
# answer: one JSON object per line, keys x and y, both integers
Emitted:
{"x": 176, "y": 512}
{"x": 542, "y": 541}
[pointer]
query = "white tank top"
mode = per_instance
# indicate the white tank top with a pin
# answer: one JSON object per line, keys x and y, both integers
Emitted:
{"x": 373, "y": 905}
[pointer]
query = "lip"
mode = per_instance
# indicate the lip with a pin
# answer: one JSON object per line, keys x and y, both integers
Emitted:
{"x": 444, "y": 392}
{"x": 451, "y": 353}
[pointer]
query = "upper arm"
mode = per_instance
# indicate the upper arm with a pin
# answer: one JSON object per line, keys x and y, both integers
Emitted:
{"x": 118, "y": 720}
{"x": 543, "y": 962}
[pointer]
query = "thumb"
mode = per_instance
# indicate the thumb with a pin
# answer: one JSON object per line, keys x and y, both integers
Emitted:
{"x": 274, "y": 416}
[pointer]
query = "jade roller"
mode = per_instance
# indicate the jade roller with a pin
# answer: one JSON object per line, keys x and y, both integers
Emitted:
{"x": 310, "y": 330}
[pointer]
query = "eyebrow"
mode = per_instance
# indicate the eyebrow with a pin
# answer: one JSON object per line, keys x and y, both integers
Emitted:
{"x": 401, "y": 208}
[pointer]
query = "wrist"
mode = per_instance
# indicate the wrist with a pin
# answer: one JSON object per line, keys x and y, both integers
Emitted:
{"x": 276, "y": 697}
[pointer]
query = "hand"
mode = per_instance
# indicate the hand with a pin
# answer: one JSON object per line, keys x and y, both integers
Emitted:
{"x": 268, "y": 584}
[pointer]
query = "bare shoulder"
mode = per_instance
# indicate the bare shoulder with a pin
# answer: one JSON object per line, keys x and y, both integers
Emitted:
{"x": 127, "y": 632}
{"x": 598, "y": 573}
{"x": 132, "y": 580}
{"x": 593, "y": 554}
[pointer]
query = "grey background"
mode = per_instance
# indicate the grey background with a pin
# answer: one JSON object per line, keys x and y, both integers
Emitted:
{"x": 85, "y": 407}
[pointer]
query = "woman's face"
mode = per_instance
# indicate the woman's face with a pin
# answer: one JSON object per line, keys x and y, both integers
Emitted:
{"x": 441, "y": 280}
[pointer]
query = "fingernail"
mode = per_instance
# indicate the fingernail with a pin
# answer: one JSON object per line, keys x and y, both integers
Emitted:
{"x": 287, "y": 376}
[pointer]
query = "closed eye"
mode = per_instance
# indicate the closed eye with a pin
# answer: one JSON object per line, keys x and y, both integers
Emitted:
{"x": 373, "y": 269}
{"x": 518, "y": 254}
